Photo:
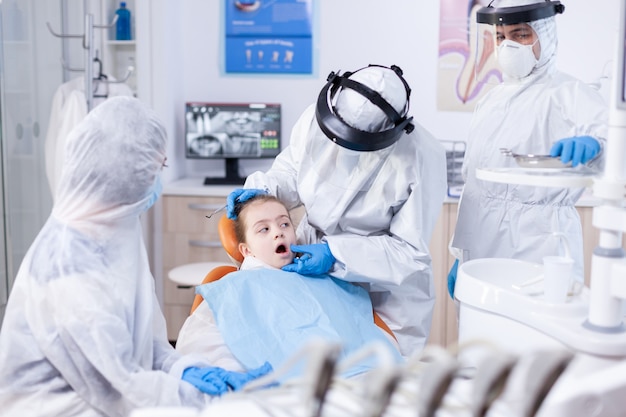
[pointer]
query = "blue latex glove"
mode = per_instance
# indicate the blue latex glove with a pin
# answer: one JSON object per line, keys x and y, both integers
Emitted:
{"x": 316, "y": 259}
{"x": 240, "y": 195}
{"x": 209, "y": 380}
{"x": 579, "y": 150}
{"x": 216, "y": 381}
{"x": 452, "y": 278}
{"x": 236, "y": 380}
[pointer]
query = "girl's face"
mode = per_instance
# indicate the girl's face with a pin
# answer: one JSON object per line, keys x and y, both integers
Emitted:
{"x": 269, "y": 233}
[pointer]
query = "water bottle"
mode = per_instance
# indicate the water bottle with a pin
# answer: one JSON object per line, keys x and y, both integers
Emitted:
{"x": 122, "y": 27}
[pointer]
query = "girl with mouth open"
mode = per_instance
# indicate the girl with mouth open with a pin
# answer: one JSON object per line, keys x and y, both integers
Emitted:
{"x": 265, "y": 232}
{"x": 263, "y": 313}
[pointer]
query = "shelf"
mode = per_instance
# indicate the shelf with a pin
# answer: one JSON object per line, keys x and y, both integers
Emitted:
{"x": 130, "y": 43}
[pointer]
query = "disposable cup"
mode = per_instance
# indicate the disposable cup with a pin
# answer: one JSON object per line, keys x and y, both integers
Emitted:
{"x": 557, "y": 277}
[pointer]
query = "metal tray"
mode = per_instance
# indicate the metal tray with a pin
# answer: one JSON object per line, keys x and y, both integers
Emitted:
{"x": 535, "y": 161}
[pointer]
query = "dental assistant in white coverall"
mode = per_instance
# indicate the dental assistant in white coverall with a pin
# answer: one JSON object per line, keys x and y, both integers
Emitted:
{"x": 83, "y": 333}
{"x": 372, "y": 182}
{"x": 535, "y": 110}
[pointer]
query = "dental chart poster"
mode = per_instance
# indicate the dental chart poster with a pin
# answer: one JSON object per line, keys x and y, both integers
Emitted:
{"x": 458, "y": 88}
{"x": 269, "y": 36}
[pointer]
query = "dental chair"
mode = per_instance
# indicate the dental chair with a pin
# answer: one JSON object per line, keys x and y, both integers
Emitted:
{"x": 226, "y": 232}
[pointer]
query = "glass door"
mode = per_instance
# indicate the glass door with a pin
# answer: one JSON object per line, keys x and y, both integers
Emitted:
{"x": 30, "y": 72}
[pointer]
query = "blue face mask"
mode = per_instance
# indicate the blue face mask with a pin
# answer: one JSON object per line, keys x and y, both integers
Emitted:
{"x": 157, "y": 188}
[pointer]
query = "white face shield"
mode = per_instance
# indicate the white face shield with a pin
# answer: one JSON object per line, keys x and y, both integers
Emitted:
{"x": 521, "y": 33}
{"x": 365, "y": 110}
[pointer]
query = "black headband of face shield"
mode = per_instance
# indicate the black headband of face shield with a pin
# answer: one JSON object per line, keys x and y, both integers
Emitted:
{"x": 520, "y": 14}
{"x": 349, "y": 137}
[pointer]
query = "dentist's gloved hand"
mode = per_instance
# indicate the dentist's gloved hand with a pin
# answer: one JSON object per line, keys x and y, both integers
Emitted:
{"x": 216, "y": 381}
{"x": 579, "y": 149}
{"x": 240, "y": 195}
{"x": 316, "y": 259}
{"x": 452, "y": 278}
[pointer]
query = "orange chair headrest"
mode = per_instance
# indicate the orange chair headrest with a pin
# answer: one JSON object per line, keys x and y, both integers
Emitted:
{"x": 226, "y": 230}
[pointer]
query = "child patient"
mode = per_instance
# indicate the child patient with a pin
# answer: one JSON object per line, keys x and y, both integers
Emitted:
{"x": 262, "y": 313}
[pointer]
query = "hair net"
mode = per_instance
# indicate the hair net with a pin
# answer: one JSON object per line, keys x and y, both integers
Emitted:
{"x": 112, "y": 161}
{"x": 546, "y": 31}
{"x": 359, "y": 112}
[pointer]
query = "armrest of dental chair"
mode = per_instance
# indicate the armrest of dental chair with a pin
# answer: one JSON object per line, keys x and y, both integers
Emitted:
{"x": 213, "y": 275}
{"x": 380, "y": 323}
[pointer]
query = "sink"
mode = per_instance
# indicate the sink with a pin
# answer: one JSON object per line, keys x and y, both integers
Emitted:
{"x": 495, "y": 308}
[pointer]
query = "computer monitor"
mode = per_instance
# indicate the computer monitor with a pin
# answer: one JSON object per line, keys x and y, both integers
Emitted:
{"x": 231, "y": 131}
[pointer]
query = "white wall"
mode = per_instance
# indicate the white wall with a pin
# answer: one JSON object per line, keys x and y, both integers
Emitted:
{"x": 188, "y": 37}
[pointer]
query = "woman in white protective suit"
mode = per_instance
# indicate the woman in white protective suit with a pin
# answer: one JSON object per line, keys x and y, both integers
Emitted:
{"x": 535, "y": 110}
{"x": 83, "y": 332}
{"x": 372, "y": 182}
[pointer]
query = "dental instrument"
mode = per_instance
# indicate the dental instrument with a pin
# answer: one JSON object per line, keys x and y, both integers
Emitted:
{"x": 490, "y": 381}
{"x": 437, "y": 377}
{"x": 534, "y": 161}
{"x": 217, "y": 211}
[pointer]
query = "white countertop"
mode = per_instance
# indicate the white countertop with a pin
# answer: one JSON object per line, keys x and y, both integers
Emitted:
{"x": 195, "y": 187}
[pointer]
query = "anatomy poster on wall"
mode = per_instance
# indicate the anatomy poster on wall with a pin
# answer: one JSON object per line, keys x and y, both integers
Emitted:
{"x": 464, "y": 75}
{"x": 269, "y": 36}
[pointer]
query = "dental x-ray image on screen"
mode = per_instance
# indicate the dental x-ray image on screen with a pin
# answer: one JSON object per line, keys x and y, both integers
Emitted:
{"x": 232, "y": 130}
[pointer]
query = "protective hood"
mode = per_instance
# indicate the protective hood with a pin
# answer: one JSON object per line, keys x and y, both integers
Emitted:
{"x": 113, "y": 159}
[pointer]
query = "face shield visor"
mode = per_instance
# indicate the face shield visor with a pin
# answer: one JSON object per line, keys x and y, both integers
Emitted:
{"x": 507, "y": 32}
{"x": 365, "y": 110}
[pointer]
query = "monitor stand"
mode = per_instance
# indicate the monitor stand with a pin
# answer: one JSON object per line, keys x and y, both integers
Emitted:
{"x": 232, "y": 175}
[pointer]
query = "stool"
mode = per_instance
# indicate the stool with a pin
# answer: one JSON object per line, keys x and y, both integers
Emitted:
{"x": 191, "y": 275}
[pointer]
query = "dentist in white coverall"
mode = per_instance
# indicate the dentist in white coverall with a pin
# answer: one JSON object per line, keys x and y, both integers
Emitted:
{"x": 372, "y": 182}
{"x": 535, "y": 110}
{"x": 83, "y": 334}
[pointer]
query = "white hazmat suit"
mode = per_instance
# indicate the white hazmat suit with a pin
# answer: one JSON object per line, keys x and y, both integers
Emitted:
{"x": 83, "y": 332}
{"x": 376, "y": 210}
{"x": 526, "y": 115}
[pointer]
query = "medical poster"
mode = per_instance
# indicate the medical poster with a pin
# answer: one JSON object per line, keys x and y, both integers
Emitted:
{"x": 269, "y": 36}
{"x": 458, "y": 87}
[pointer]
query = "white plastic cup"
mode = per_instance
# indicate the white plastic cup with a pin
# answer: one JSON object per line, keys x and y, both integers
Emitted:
{"x": 557, "y": 277}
